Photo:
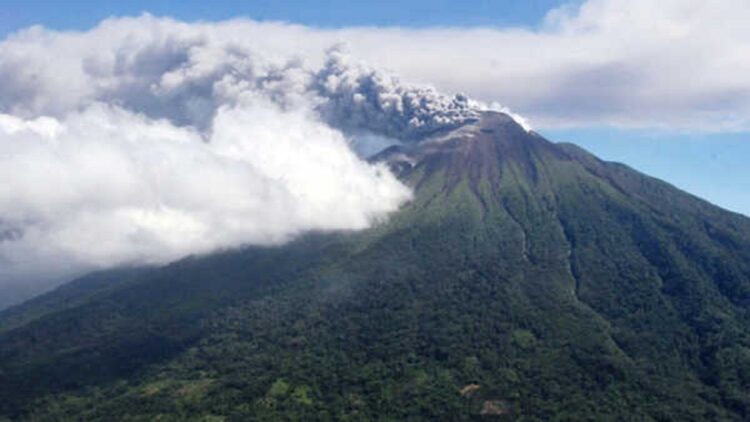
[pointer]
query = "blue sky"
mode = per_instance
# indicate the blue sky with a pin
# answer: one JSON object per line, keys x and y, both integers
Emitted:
{"x": 712, "y": 166}
{"x": 708, "y": 164}
{"x": 15, "y": 14}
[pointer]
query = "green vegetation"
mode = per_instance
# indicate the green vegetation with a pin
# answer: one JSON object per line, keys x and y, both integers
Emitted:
{"x": 526, "y": 281}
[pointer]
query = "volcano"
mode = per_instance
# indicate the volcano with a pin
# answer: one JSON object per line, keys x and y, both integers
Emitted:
{"x": 525, "y": 280}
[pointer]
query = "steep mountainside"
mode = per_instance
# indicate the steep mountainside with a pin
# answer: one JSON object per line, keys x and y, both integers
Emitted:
{"x": 526, "y": 279}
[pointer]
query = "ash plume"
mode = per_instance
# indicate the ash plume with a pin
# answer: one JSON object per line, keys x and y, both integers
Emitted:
{"x": 359, "y": 97}
{"x": 154, "y": 139}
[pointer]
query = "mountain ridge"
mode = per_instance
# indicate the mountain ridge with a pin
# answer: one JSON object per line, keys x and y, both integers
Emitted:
{"x": 553, "y": 284}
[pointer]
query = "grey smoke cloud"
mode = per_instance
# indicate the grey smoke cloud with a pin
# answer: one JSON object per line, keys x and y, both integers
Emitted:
{"x": 145, "y": 140}
{"x": 185, "y": 73}
{"x": 359, "y": 97}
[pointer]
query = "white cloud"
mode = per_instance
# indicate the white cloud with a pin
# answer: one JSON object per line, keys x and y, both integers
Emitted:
{"x": 641, "y": 63}
{"x": 676, "y": 64}
{"x": 105, "y": 186}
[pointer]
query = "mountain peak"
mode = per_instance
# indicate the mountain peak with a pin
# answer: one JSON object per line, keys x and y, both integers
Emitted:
{"x": 492, "y": 126}
{"x": 476, "y": 151}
